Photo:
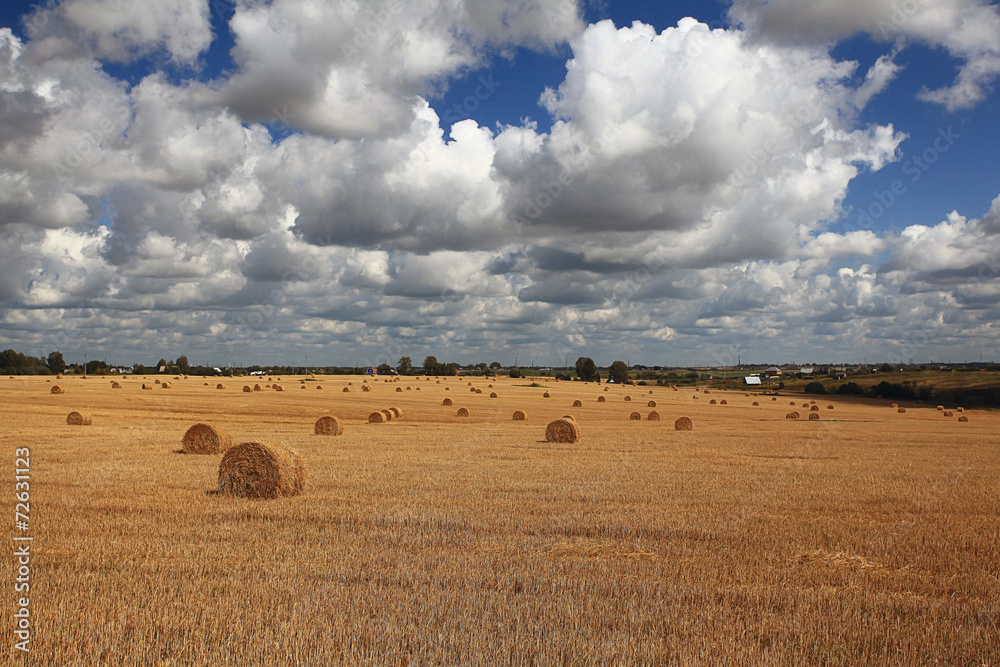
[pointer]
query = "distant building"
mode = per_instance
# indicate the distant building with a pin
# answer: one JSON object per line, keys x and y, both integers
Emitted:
{"x": 772, "y": 372}
{"x": 806, "y": 370}
{"x": 752, "y": 380}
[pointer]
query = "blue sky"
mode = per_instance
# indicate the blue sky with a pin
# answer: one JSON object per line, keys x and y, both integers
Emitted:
{"x": 499, "y": 180}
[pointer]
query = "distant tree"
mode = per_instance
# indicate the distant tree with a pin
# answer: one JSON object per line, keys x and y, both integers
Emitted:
{"x": 815, "y": 388}
{"x": 496, "y": 365}
{"x": 160, "y": 364}
{"x": 182, "y": 364}
{"x": 405, "y": 366}
{"x": 515, "y": 373}
{"x": 618, "y": 372}
{"x": 586, "y": 370}
{"x": 384, "y": 369}
{"x": 886, "y": 368}
{"x": 431, "y": 365}
{"x": 94, "y": 367}
{"x": 56, "y": 363}
{"x": 850, "y": 388}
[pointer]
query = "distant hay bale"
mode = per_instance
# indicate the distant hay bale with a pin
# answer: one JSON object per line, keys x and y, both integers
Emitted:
{"x": 959, "y": 409}
{"x": 205, "y": 385}
{"x": 814, "y": 416}
{"x": 894, "y": 405}
{"x": 756, "y": 404}
{"x": 940, "y": 407}
{"x": 651, "y": 404}
{"x": 774, "y": 398}
{"x": 605, "y": 389}
{"x": 58, "y": 376}
{"x": 116, "y": 385}
{"x": 78, "y": 418}
{"x": 901, "y": 410}
{"x": 177, "y": 377}
{"x": 601, "y": 399}
{"x": 409, "y": 388}
{"x": 165, "y": 385}
{"x": 388, "y": 415}
{"x": 319, "y": 387}
{"x": 267, "y": 386}
{"x": 493, "y": 394}
{"x": 462, "y": 412}
{"x": 56, "y": 389}
{"x": 948, "y": 413}
{"x": 396, "y": 412}
{"x": 707, "y": 391}
{"x": 805, "y": 405}
{"x": 447, "y": 388}
{"x": 650, "y": 391}
{"x": 206, "y": 439}
{"x": 256, "y": 387}
{"x": 148, "y": 387}
{"x": 577, "y": 404}
{"x": 546, "y": 395}
{"x": 376, "y": 417}
{"x": 683, "y": 424}
{"x": 277, "y": 387}
{"x": 675, "y": 388}
{"x": 628, "y": 399}
{"x": 472, "y": 390}
{"x": 829, "y": 407}
{"x": 157, "y": 382}
{"x": 653, "y": 416}
{"x": 247, "y": 389}
{"x": 327, "y": 425}
{"x": 712, "y": 402}
{"x": 635, "y": 416}
{"x": 519, "y": 415}
{"x": 792, "y": 415}
{"x": 489, "y": 386}
{"x": 446, "y": 401}
{"x": 469, "y": 383}
{"x": 302, "y": 386}
{"x": 792, "y": 403}
{"x": 963, "y": 418}
{"x": 814, "y": 408}
{"x": 479, "y": 391}
{"x": 723, "y": 402}
{"x": 562, "y": 430}
{"x": 812, "y": 402}
{"x": 261, "y": 470}
{"x": 399, "y": 390}
{"x": 347, "y": 390}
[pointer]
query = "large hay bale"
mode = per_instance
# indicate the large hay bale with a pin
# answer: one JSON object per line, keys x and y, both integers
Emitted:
{"x": 805, "y": 405}
{"x": 829, "y": 407}
{"x": 894, "y": 405}
{"x": 577, "y": 403}
{"x": 546, "y": 395}
{"x": 347, "y": 390}
{"x": 723, "y": 402}
{"x": 562, "y": 430}
{"x": 396, "y": 412}
{"x": 58, "y": 376}
{"x": 388, "y": 415}
{"x": 949, "y": 413}
{"x": 901, "y": 410}
{"x": 79, "y": 418}
{"x": 959, "y": 409}
{"x": 256, "y": 387}
{"x": 601, "y": 399}
{"x": 635, "y": 416}
{"x": 376, "y": 418}
{"x": 774, "y": 398}
{"x": 277, "y": 387}
{"x": 56, "y": 389}
{"x": 940, "y": 407}
{"x": 116, "y": 385}
{"x": 792, "y": 415}
{"x": 327, "y": 425}
{"x": 792, "y": 403}
{"x": 399, "y": 390}
{"x": 651, "y": 404}
{"x": 206, "y": 439}
{"x": 814, "y": 408}
{"x": 247, "y": 389}
{"x": 814, "y": 416}
{"x": 446, "y": 401}
{"x": 605, "y": 389}
{"x": 963, "y": 418}
{"x": 479, "y": 391}
{"x": 147, "y": 387}
{"x": 683, "y": 424}
{"x": 653, "y": 416}
{"x": 519, "y": 415}
{"x": 628, "y": 399}
{"x": 319, "y": 387}
{"x": 165, "y": 385}
{"x": 713, "y": 402}
{"x": 462, "y": 412}
{"x": 261, "y": 470}
{"x": 493, "y": 394}
{"x": 411, "y": 388}
{"x": 472, "y": 390}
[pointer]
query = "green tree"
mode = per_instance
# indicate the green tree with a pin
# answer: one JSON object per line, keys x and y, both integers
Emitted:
{"x": 496, "y": 365}
{"x": 586, "y": 370}
{"x": 160, "y": 364}
{"x": 815, "y": 388}
{"x": 182, "y": 364}
{"x": 515, "y": 373}
{"x": 56, "y": 363}
{"x": 405, "y": 366}
{"x": 384, "y": 369}
{"x": 886, "y": 368}
{"x": 431, "y": 365}
{"x": 618, "y": 372}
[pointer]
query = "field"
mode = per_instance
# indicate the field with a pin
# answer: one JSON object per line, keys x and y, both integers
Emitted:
{"x": 867, "y": 537}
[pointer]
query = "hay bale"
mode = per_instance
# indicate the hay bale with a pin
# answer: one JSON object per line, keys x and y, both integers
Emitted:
{"x": 147, "y": 387}
{"x": 256, "y": 387}
{"x": 894, "y": 405}
{"x": 829, "y": 407}
{"x": 628, "y": 399}
{"x": 901, "y": 410}
{"x": 601, "y": 399}
{"x": 805, "y": 405}
{"x": 756, "y": 404}
{"x": 723, "y": 402}
{"x": 792, "y": 403}
{"x": 713, "y": 402}
{"x": 959, "y": 409}
{"x": 635, "y": 416}
{"x": 247, "y": 389}
{"x": 347, "y": 390}
{"x": 206, "y": 439}
{"x": 653, "y": 416}
{"x": 302, "y": 386}
{"x": 562, "y": 430}
{"x": 940, "y": 407}
{"x": 546, "y": 395}
{"x": 446, "y": 401}
{"x": 261, "y": 470}
{"x": 683, "y": 424}
{"x": 277, "y": 387}
{"x": 388, "y": 415}
{"x": 319, "y": 387}
{"x": 447, "y": 388}
{"x": 578, "y": 404}
{"x": 411, "y": 388}
{"x": 948, "y": 413}
{"x": 165, "y": 385}
{"x": 472, "y": 390}
{"x": 479, "y": 391}
{"x": 792, "y": 415}
{"x": 376, "y": 418}
{"x": 489, "y": 386}
{"x": 651, "y": 404}
{"x": 327, "y": 425}
{"x": 58, "y": 376}
{"x": 157, "y": 382}
{"x": 56, "y": 389}
{"x": 814, "y": 408}
{"x": 814, "y": 416}
{"x": 774, "y": 398}
{"x": 396, "y": 412}
{"x": 493, "y": 394}
{"x": 78, "y": 418}
{"x": 399, "y": 390}
{"x": 116, "y": 385}
{"x": 519, "y": 415}
{"x": 462, "y": 412}
{"x": 963, "y": 418}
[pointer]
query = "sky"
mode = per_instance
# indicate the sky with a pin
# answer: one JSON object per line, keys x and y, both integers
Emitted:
{"x": 666, "y": 183}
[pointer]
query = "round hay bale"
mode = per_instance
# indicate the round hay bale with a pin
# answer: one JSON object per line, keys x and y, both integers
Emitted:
{"x": 894, "y": 405}
{"x": 472, "y": 390}
{"x": 347, "y": 390}
{"x": 147, "y": 387}
{"x": 157, "y": 382}
{"x": 562, "y": 430}
{"x": 319, "y": 387}
{"x": 78, "y": 418}
{"x": 205, "y": 385}
{"x": 792, "y": 415}
{"x": 489, "y": 386}
{"x": 814, "y": 408}
{"x": 829, "y": 407}
{"x": 206, "y": 439}
{"x": 651, "y": 404}
{"x": 601, "y": 399}
{"x": 247, "y": 389}
{"x": 653, "y": 416}
{"x": 812, "y": 402}
{"x": 605, "y": 389}
{"x": 774, "y": 398}
{"x": 901, "y": 410}
{"x": 410, "y": 388}
{"x": 396, "y": 412}
{"x": 256, "y": 387}
{"x": 462, "y": 412}
{"x": 675, "y": 388}
{"x": 707, "y": 391}
{"x": 635, "y": 416}
{"x": 805, "y": 405}
{"x": 56, "y": 389}
{"x": 446, "y": 401}
{"x": 469, "y": 383}
{"x": 327, "y": 425}
{"x": 519, "y": 415}
{"x": 165, "y": 385}
{"x": 723, "y": 402}
{"x": 963, "y": 418}
{"x": 546, "y": 395}
{"x": 959, "y": 409}
{"x": 792, "y": 403}
{"x": 447, "y": 388}
{"x": 261, "y": 470}
{"x": 713, "y": 402}
{"x": 399, "y": 390}
{"x": 267, "y": 386}
{"x": 814, "y": 416}
{"x": 940, "y": 407}
{"x": 302, "y": 386}
{"x": 116, "y": 385}
{"x": 756, "y": 404}
{"x": 628, "y": 399}
{"x": 948, "y": 413}
{"x": 388, "y": 415}
{"x": 376, "y": 418}
{"x": 578, "y": 404}
{"x": 277, "y": 387}
{"x": 58, "y": 376}
{"x": 493, "y": 394}
{"x": 683, "y": 424}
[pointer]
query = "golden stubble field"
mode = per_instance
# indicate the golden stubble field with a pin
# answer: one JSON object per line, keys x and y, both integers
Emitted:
{"x": 867, "y": 537}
